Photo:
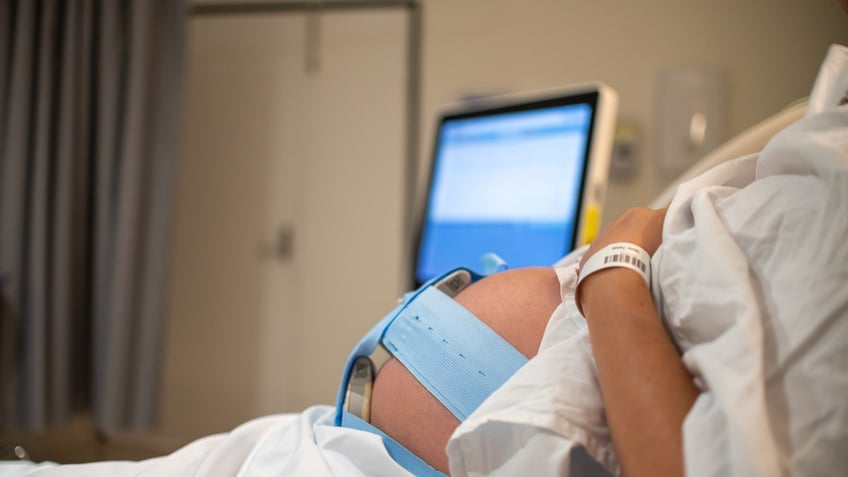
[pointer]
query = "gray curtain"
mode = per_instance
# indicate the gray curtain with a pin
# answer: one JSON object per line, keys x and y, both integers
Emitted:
{"x": 89, "y": 117}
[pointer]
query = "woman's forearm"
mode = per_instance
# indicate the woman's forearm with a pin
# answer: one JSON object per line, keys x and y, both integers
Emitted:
{"x": 646, "y": 389}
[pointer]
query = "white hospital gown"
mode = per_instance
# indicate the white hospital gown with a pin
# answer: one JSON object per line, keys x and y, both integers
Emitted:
{"x": 752, "y": 282}
{"x": 763, "y": 322}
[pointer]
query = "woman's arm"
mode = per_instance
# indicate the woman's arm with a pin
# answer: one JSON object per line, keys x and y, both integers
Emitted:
{"x": 646, "y": 389}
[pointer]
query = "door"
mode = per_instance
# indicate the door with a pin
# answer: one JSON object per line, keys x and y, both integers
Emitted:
{"x": 289, "y": 223}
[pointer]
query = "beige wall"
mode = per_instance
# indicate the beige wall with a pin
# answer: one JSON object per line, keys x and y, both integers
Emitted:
{"x": 767, "y": 50}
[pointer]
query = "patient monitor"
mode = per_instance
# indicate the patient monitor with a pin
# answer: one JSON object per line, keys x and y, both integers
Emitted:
{"x": 520, "y": 176}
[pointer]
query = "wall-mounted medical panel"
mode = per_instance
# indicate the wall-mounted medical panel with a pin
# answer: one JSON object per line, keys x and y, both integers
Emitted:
{"x": 690, "y": 117}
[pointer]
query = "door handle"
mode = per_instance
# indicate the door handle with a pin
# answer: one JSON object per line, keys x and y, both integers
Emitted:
{"x": 281, "y": 248}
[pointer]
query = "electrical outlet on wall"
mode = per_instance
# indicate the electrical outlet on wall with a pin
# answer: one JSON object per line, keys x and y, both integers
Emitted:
{"x": 624, "y": 163}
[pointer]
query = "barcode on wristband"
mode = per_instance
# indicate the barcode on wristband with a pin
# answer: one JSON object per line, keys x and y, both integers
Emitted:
{"x": 626, "y": 259}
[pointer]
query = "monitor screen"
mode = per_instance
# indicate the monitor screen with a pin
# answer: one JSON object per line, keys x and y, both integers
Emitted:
{"x": 506, "y": 180}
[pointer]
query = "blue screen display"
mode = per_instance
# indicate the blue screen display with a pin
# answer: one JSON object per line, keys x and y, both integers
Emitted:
{"x": 506, "y": 183}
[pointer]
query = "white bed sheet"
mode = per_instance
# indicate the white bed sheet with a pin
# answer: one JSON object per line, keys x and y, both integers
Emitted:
{"x": 752, "y": 281}
{"x": 305, "y": 444}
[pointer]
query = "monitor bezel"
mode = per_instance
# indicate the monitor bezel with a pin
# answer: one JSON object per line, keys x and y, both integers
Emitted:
{"x": 600, "y": 100}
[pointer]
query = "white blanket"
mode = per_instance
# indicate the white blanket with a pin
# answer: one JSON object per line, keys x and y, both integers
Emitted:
{"x": 754, "y": 286}
{"x": 752, "y": 279}
{"x": 752, "y": 282}
{"x": 282, "y": 445}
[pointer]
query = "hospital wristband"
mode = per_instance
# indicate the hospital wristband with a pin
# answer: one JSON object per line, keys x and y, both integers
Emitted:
{"x": 619, "y": 254}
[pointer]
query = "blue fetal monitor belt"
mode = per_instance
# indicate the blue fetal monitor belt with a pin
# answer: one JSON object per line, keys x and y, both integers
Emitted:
{"x": 454, "y": 355}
